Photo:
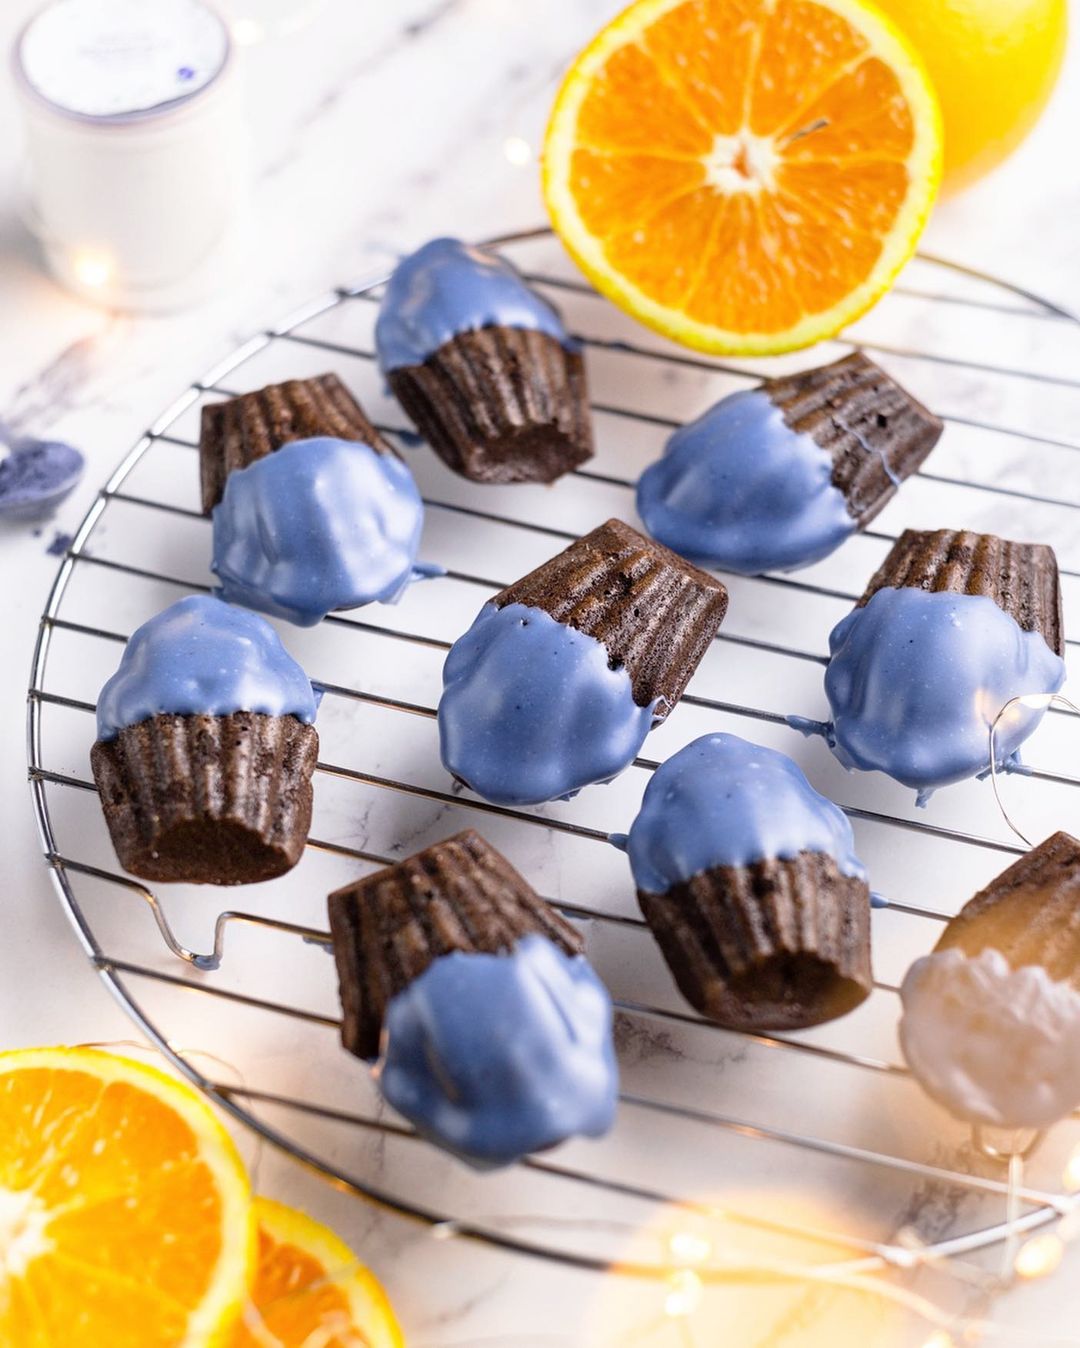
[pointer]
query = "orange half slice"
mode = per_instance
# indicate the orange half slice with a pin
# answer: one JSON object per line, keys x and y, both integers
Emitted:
{"x": 310, "y": 1291}
{"x": 744, "y": 176}
{"x": 125, "y": 1212}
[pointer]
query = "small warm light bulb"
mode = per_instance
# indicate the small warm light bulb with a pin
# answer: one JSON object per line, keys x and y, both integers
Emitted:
{"x": 684, "y": 1294}
{"x": 1036, "y": 701}
{"x": 247, "y": 32}
{"x": 517, "y": 150}
{"x": 1071, "y": 1177}
{"x": 940, "y": 1339}
{"x": 92, "y": 269}
{"x": 1039, "y": 1257}
{"x": 687, "y": 1247}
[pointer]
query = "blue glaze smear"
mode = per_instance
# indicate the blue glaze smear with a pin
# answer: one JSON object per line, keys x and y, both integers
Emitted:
{"x": 722, "y": 801}
{"x": 497, "y": 1056}
{"x": 319, "y": 525}
{"x": 739, "y": 490}
{"x": 447, "y": 287}
{"x": 36, "y": 477}
{"x": 203, "y": 656}
{"x": 915, "y": 680}
{"x": 532, "y": 711}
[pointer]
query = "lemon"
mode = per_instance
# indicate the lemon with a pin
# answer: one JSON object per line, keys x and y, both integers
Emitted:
{"x": 994, "y": 64}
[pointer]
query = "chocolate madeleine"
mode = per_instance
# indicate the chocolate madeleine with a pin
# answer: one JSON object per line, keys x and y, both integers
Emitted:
{"x": 1021, "y": 578}
{"x": 953, "y": 628}
{"x": 653, "y": 611}
{"x": 236, "y": 433}
{"x": 1030, "y": 913}
{"x": 563, "y": 674}
{"x": 501, "y": 405}
{"x": 777, "y": 477}
{"x": 750, "y": 883}
{"x": 991, "y": 1017}
{"x": 874, "y": 431}
{"x": 773, "y": 945}
{"x": 483, "y": 365}
{"x": 389, "y": 927}
{"x": 222, "y": 800}
{"x": 206, "y": 747}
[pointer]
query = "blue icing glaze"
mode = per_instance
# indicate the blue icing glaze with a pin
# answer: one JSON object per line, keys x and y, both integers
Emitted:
{"x": 445, "y": 288}
{"x": 532, "y": 711}
{"x": 496, "y": 1056}
{"x": 203, "y": 656}
{"x": 318, "y": 525}
{"x": 916, "y": 679}
{"x": 723, "y": 801}
{"x": 36, "y": 476}
{"x": 738, "y": 489}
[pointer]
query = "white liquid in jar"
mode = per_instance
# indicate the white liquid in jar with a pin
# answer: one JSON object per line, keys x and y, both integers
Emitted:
{"x": 134, "y": 140}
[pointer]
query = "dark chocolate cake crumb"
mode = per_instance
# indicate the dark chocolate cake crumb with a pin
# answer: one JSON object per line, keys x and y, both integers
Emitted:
{"x": 1021, "y": 578}
{"x": 654, "y": 612}
{"x": 876, "y": 433}
{"x": 234, "y": 434}
{"x": 387, "y": 928}
{"x": 772, "y": 945}
{"x": 212, "y": 800}
{"x": 501, "y": 405}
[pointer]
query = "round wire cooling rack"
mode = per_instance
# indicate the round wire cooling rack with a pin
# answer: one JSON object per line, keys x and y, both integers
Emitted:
{"x": 821, "y": 1134}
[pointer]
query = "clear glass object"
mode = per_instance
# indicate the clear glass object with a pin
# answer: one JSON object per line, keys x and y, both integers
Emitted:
{"x": 135, "y": 146}
{"x": 253, "y": 21}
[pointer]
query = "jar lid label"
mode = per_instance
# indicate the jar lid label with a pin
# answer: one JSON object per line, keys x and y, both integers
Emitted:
{"x": 118, "y": 59}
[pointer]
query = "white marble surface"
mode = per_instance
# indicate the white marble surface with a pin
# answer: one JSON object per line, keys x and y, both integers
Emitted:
{"x": 388, "y": 124}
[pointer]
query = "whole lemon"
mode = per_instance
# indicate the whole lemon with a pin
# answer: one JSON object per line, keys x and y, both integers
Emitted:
{"x": 994, "y": 62}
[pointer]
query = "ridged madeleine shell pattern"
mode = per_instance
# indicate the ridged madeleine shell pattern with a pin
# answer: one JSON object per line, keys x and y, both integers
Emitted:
{"x": 236, "y": 433}
{"x": 655, "y": 612}
{"x": 501, "y": 405}
{"x": 1021, "y": 578}
{"x": 774, "y": 945}
{"x": 387, "y": 928}
{"x": 210, "y": 800}
{"x": 1031, "y": 912}
{"x": 876, "y": 433}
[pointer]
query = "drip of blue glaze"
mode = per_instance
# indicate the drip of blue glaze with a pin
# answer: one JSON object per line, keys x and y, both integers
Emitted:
{"x": 447, "y": 287}
{"x": 497, "y": 1056}
{"x": 427, "y": 571}
{"x": 410, "y": 439}
{"x": 916, "y": 679}
{"x": 722, "y": 801}
{"x": 1013, "y": 766}
{"x": 890, "y": 472}
{"x": 738, "y": 489}
{"x": 203, "y": 656}
{"x": 532, "y": 710}
{"x": 318, "y": 525}
{"x": 878, "y": 900}
{"x": 807, "y": 726}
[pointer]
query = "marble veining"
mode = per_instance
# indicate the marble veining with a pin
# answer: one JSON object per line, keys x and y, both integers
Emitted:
{"x": 98, "y": 380}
